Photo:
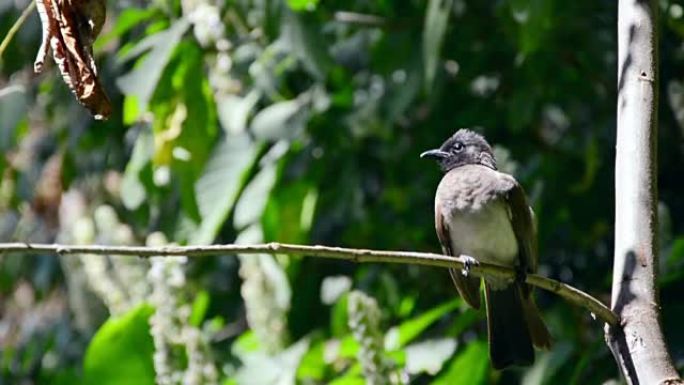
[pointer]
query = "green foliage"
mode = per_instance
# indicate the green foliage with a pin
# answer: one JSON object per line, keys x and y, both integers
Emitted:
{"x": 121, "y": 351}
{"x": 302, "y": 121}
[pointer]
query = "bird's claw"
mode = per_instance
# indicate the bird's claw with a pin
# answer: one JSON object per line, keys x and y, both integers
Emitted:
{"x": 468, "y": 263}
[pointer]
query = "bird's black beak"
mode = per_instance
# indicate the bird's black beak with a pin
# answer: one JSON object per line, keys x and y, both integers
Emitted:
{"x": 435, "y": 154}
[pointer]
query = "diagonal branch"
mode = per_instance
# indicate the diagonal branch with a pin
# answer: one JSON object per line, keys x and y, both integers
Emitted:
{"x": 571, "y": 294}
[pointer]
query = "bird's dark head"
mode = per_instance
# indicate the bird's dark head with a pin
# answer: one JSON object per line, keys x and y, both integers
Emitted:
{"x": 464, "y": 147}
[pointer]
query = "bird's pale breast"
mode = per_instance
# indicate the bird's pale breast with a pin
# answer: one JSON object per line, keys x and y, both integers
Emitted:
{"x": 478, "y": 216}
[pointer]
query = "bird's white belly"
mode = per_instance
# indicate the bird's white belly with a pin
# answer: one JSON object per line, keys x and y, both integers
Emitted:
{"x": 485, "y": 234}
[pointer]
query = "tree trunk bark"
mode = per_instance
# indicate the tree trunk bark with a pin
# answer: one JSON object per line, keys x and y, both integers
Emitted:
{"x": 638, "y": 346}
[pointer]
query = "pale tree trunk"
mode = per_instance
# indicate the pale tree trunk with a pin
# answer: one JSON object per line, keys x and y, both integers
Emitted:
{"x": 638, "y": 346}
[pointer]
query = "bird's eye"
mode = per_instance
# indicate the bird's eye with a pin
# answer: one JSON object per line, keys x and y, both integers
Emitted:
{"x": 458, "y": 147}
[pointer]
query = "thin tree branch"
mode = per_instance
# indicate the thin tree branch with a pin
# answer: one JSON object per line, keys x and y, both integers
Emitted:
{"x": 15, "y": 28}
{"x": 571, "y": 294}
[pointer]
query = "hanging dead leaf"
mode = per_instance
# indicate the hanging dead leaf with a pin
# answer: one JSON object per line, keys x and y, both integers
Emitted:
{"x": 69, "y": 29}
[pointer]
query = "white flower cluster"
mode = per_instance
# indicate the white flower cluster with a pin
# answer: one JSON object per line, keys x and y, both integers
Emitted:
{"x": 266, "y": 292}
{"x": 118, "y": 281}
{"x": 364, "y": 321}
{"x": 205, "y": 17}
{"x": 170, "y": 327}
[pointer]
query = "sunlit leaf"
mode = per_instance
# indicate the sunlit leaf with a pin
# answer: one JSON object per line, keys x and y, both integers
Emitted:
{"x": 313, "y": 365}
{"x": 282, "y": 120}
{"x": 199, "y": 308}
{"x": 262, "y": 369}
{"x": 429, "y": 356}
{"x": 409, "y": 330}
{"x": 142, "y": 80}
{"x": 253, "y": 199}
{"x": 302, "y": 5}
{"x": 121, "y": 351}
{"x": 469, "y": 367}
{"x": 218, "y": 187}
{"x": 234, "y": 110}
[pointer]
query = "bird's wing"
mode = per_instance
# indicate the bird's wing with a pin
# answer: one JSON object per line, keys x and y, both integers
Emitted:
{"x": 522, "y": 221}
{"x": 468, "y": 287}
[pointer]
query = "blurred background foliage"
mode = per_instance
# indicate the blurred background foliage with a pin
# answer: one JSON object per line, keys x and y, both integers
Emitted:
{"x": 301, "y": 121}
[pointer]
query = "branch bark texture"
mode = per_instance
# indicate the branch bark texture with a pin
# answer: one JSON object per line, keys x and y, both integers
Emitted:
{"x": 638, "y": 346}
{"x": 571, "y": 294}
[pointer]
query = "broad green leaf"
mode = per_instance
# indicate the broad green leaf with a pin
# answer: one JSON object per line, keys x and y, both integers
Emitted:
{"x": 125, "y": 21}
{"x": 185, "y": 123}
{"x": 233, "y": 111}
{"x": 436, "y": 21}
{"x": 398, "y": 337}
{"x": 121, "y": 351}
{"x": 313, "y": 365}
{"x": 142, "y": 80}
{"x": 217, "y": 188}
{"x": 429, "y": 356}
{"x": 262, "y": 369}
{"x": 469, "y": 367}
{"x": 281, "y": 120}
{"x": 253, "y": 199}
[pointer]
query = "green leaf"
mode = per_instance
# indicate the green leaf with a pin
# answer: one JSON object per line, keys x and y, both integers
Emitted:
{"x": 313, "y": 365}
{"x": 349, "y": 380}
{"x": 469, "y": 367}
{"x": 436, "y": 21}
{"x": 142, "y": 80}
{"x": 302, "y": 5}
{"x": 234, "y": 110}
{"x": 125, "y": 21}
{"x": 262, "y": 369}
{"x": 282, "y": 120}
{"x": 246, "y": 344}
{"x": 406, "y": 332}
{"x": 218, "y": 187}
{"x": 199, "y": 308}
{"x": 253, "y": 199}
{"x": 429, "y": 356}
{"x": 121, "y": 351}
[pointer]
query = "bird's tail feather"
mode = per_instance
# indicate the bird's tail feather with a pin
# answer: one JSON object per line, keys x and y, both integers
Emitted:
{"x": 510, "y": 342}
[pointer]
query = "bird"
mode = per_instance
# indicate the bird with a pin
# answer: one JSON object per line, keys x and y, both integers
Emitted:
{"x": 483, "y": 215}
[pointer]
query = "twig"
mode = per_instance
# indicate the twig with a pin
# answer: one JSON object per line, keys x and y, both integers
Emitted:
{"x": 359, "y": 18}
{"x": 15, "y": 28}
{"x": 571, "y": 294}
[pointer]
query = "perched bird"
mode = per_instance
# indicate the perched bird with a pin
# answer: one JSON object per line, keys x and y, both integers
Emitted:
{"x": 483, "y": 215}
